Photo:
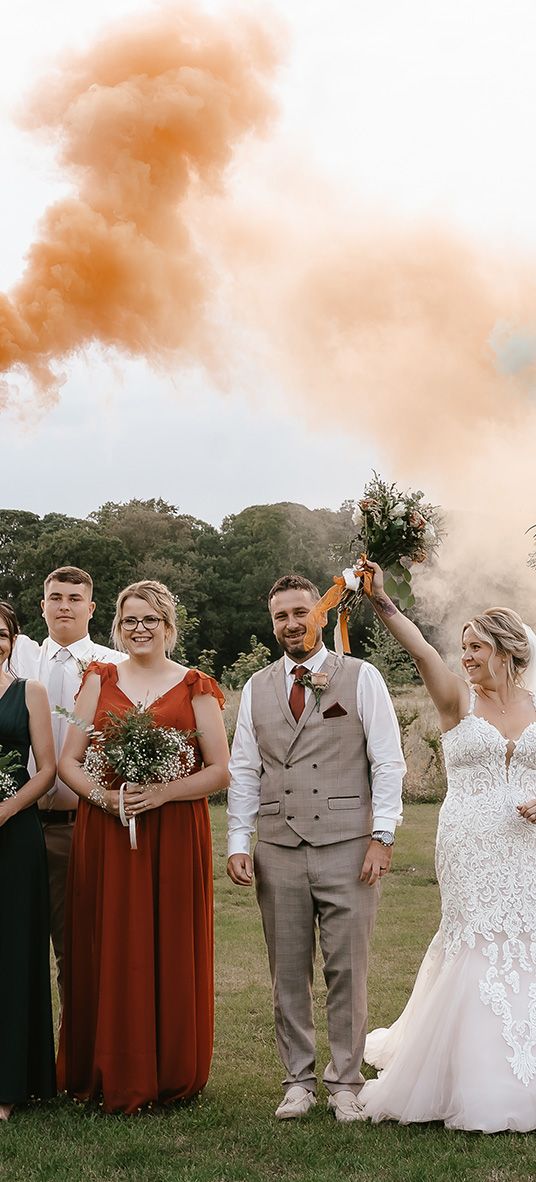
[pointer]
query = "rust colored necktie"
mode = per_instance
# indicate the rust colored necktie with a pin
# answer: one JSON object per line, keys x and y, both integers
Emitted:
{"x": 296, "y": 698}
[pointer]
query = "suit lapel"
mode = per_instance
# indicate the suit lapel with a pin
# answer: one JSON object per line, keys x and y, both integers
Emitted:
{"x": 280, "y": 686}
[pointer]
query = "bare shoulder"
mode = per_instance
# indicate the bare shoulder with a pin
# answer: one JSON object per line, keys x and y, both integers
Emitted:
{"x": 36, "y": 690}
{"x": 36, "y": 693}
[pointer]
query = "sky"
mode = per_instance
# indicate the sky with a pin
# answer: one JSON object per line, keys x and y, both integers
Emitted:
{"x": 397, "y": 118}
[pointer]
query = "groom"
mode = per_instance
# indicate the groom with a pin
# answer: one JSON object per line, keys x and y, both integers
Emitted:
{"x": 317, "y": 766}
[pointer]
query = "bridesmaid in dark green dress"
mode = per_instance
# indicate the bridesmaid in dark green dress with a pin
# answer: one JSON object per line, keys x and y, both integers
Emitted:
{"x": 26, "y": 1035}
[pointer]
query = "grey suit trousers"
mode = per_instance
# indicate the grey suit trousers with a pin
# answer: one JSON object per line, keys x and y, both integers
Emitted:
{"x": 301, "y": 891}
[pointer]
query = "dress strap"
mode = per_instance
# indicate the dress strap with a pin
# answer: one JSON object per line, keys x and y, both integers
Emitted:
{"x": 472, "y": 699}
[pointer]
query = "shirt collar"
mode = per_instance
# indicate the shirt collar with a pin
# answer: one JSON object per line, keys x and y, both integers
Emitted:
{"x": 313, "y": 663}
{"x": 77, "y": 649}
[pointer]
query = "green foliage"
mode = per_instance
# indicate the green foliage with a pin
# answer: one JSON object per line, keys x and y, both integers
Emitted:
{"x": 258, "y": 546}
{"x": 246, "y": 664}
{"x": 205, "y": 661}
{"x": 392, "y": 661}
{"x": 220, "y": 578}
{"x": 186, "y": 628}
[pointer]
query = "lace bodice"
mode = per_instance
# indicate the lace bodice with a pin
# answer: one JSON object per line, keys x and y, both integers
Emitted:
{"x": 486, "y": 867}
{"x": 486, "y": 852}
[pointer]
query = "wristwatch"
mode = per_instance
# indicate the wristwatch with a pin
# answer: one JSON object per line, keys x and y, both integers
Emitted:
{"x": 383, "y": 836}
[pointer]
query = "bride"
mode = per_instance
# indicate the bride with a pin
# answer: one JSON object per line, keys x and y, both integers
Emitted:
{"x": 464, "y": 1049}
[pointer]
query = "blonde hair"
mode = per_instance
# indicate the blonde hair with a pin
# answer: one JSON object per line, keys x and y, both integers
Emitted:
{"x": 504, "y": 630}
{"x": 160, "y": 599}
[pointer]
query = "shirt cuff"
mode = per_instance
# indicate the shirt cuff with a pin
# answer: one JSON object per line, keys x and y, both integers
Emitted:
{"x": 238, "y": 843}
{"x": 385, "y": 824}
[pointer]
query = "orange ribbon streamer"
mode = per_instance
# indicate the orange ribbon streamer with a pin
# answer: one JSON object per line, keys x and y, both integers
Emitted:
{"x": 343, "y": 629}
{"x": 331, "y": 598}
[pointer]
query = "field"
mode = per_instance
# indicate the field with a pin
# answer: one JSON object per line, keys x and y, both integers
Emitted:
{"x": 229, "y": 1134}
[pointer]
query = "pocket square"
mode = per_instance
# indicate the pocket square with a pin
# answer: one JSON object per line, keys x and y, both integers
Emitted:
{"x": 335, "y": 711}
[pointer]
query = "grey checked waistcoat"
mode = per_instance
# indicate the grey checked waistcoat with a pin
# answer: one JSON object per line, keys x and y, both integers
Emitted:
{"x": 315, "y": 775}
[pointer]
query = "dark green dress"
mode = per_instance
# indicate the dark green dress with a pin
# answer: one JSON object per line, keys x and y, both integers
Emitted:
{"x": 26, "y": 1034}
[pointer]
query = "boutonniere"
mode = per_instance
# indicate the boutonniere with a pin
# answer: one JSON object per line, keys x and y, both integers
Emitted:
{"x": 317, "y": 682}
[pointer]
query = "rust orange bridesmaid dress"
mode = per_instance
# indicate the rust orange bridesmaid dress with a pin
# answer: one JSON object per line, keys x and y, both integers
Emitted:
{"x": 139, "y": 991}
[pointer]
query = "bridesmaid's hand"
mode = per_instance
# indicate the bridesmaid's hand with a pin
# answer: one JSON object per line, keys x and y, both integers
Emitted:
{"x": 145, "y": 797}
{"x": 528, "y": 810}
{"x": 8, "y": 809}
{"x": 111, "y": 797}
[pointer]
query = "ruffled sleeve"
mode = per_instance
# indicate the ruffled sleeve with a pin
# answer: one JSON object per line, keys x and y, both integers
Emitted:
{"x": 105, "y": 670}
{"x": 200, "y": 683}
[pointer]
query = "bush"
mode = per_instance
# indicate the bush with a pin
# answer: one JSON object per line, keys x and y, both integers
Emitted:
{"x": 246, "y": 664}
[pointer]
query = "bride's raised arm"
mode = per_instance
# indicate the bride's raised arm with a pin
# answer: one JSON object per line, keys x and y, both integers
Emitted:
{"x": 447, "y": 690}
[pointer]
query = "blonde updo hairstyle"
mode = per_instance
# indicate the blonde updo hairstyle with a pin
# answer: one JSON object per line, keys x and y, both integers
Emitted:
{"x": 159, "y": 599}
{"x": 504, "y": 630}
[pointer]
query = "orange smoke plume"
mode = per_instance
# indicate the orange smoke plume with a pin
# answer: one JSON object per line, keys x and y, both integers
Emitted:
{"x": 398, "y": 333}
{"x": 153, "y": 111}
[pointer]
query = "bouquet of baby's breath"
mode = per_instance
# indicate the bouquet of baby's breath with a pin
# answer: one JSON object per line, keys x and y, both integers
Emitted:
{"x": 395, "y": 529}
{"x": 9, "y": 763}
{"x": 136, "y": 749}
{"x": 133, "y": 747}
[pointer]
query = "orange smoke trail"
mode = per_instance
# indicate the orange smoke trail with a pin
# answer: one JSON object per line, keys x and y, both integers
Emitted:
{"x": 155, "y": 108}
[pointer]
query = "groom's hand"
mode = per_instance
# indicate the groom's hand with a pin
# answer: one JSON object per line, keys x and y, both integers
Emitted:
{"x": 240, "y": 869}
{"x": 377, "y": 862}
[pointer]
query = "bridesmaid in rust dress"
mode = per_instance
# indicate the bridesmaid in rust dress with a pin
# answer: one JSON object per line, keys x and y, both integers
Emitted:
{"x": 138, "y": 1015}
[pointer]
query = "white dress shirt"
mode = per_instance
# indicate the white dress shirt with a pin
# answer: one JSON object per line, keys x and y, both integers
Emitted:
{"x": 35, "y": 662}
{"x": 384, "y": 752}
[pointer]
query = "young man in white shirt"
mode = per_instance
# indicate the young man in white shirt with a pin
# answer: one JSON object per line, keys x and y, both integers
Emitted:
{"x": 317, "y": 767}
{"x": 59, "y": 663}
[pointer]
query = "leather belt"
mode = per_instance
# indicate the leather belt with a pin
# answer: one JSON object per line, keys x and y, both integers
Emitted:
{"x": 57, "y": 816}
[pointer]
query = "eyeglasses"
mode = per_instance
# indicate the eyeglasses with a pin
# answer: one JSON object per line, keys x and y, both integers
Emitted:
{"x": 130, "y": 623}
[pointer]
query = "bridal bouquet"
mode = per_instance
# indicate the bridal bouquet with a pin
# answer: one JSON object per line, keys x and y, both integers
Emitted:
{"x": 133, "y": 747}
{"x": 394, "y": 529}
{"x": 9, "y": 763}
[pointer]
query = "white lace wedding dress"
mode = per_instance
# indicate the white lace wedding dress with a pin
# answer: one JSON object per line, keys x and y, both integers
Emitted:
{"x": 464, "y": 1049}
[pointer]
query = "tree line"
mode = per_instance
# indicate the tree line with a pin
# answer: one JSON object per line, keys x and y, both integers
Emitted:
{"x": 220, "y": 577}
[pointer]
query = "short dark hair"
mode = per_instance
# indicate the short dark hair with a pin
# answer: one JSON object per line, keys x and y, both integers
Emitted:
{"x": 293, "y": 583}
{"x": 8, "y": 614}
{"x": 70, "y": 574}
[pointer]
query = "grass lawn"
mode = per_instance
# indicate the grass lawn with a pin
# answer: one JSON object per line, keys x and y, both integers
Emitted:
{"x": 229, "y": 1134}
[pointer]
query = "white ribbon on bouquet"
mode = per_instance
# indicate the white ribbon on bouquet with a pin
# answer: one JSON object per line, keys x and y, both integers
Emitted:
{"x": 128, "y": 822}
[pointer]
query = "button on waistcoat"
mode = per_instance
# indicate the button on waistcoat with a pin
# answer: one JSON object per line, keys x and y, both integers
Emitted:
{"x": 315, "y": 775}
